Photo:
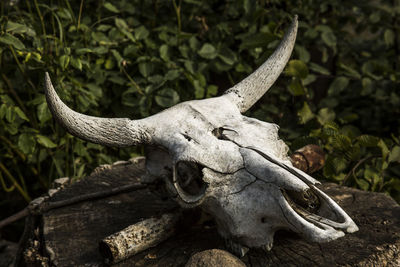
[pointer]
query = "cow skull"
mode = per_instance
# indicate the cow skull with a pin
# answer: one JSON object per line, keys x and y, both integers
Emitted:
{"x": 234, "y": 167}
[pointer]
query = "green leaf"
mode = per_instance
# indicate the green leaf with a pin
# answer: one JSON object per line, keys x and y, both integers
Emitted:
{"x": 64, "y": 14}
{"x": 64, "y": 61}
{"x": 194, "y": 43}
{"x": 164, "y": 55}
{"x": 334, "y": 166}
{"x": 326, "y": 115}
{"x": 198, "y": 90}
{"x": 111, "y": 7}
{"x": 375, "y": 17}
{"x": 384, "y": 149}
{"x": 109, "y": 64}
{"x": 84, "y": 50}
{"x": 76, "y": 63}
{"x": 117, "y": 56}
{"x": 372, "y": 176}
{"x": 141, "y": 33}
{"x": 305, "y": 114}
{"x": 330, "y": 128}
{"x": 367, "y": 86}
{"x": 45, "y": 141}
{"x": 12, "y": 40}
{"x": 319, "y": 69}
{"x": 394, "y": 155}
{"x": 350, "y": 71}
{"x": 20, "y": 113}
{"x": 95, "y": 89}
{"x": 43, "y": 112}
{"x": 27, "y": 143}
{"x": 346, "y": 117}
{"x": 167, "y": 97}
{"x": 341, "y": 142}
{"x": 81, "y": 170}
{"x": 304, "y": 55}
{"x": 257, "y": 40}
{"x": 10, "y": 114}
{"x": 297, "y": 68}
{"x": 368, "y": 140}
{"x": 364, "y": 185}
{"x": 121, "y": 24}
{"x": 338, "y": 85}
{"x": 329, "y": 38}
{"x": 145, "y": 68}
{"x": 20, "y": 28}
{"x": 296, "y": 88}
{"x": 3, "y": 110}
{"x": 172, "y": 75}
{"x": 212, "y": 91}
{"x": 389, "y": 37}
{"x": 227, "y": 56}
{"x": 207, "y": 51}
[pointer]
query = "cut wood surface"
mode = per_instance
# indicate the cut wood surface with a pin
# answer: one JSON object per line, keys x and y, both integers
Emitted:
{"x": 69, "y": 236}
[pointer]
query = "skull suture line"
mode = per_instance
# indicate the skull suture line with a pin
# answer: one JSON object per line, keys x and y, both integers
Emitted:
{"x": 236, "y": 168}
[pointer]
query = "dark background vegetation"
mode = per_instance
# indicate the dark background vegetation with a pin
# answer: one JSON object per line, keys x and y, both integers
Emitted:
{"x": 134, "y": 58}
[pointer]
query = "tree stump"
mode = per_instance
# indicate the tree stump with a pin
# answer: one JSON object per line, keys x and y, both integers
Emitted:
{"x": 69, "y": 236}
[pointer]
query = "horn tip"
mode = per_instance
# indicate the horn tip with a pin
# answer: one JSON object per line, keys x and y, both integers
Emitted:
{"x": 47, "y": 80}
{"x": 295, "y": 22}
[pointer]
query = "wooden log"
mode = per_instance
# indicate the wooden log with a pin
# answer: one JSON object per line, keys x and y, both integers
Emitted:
{"x": 69, "y": 236}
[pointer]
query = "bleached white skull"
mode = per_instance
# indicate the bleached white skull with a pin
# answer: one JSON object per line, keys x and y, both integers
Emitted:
{"x": 236, "y": 168}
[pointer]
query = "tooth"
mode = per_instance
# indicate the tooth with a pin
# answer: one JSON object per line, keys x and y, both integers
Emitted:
{"x": 267, "y": 247}
{"x": 243, "y": 251}
{"x": 236, "y": 248}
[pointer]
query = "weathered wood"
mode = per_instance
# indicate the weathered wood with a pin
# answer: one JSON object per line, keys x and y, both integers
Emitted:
{"x": 69, "y": 236}
{"x": 138, "y": 237}
{"x": 7, "y": 252}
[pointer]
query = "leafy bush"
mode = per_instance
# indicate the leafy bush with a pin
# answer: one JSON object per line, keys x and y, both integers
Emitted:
{"x": 134, "y": 58}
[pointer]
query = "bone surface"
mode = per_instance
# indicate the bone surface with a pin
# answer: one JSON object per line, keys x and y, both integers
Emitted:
{"x": 234, "y": 167}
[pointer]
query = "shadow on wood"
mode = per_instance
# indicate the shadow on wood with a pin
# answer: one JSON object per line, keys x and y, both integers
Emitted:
{"x": 69, "y": 236}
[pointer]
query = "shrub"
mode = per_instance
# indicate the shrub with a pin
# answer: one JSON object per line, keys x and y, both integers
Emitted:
{"x": 135, "y": 58}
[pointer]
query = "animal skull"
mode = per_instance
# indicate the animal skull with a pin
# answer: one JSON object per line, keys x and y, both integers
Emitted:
{"x": 236, "y": 168}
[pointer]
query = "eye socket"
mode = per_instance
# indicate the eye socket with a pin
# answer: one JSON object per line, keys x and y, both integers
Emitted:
{"x": 189, "y": 176}
{"x": 188, "y": 181}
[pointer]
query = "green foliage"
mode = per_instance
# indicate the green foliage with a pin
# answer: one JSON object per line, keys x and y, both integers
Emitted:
{"x": 134, "y": 58}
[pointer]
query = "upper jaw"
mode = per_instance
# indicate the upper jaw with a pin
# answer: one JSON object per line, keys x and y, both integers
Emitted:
{"x": 327, "y": 223}
{"x": 324, "y": 223}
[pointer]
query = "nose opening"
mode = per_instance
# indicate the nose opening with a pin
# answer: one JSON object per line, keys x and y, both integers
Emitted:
{"x": 315, "y": 207}
{"x": 306, "y": 200}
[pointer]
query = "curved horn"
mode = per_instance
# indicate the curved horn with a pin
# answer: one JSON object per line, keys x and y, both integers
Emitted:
{"x": 252, "y": 88}
{"x": 104, "y": 131}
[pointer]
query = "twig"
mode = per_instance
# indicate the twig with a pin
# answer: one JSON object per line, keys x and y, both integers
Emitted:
{"x": 42, "y": 205}
{"x": 80, "y": 14}
{"x": 15, "y": 217}
{"x": 91, "y": 196}
{"x": 353, "y": 170}
{"x": 14, "y": 181}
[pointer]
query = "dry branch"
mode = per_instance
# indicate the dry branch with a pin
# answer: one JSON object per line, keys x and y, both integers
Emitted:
{"x": 138, "y": 237}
